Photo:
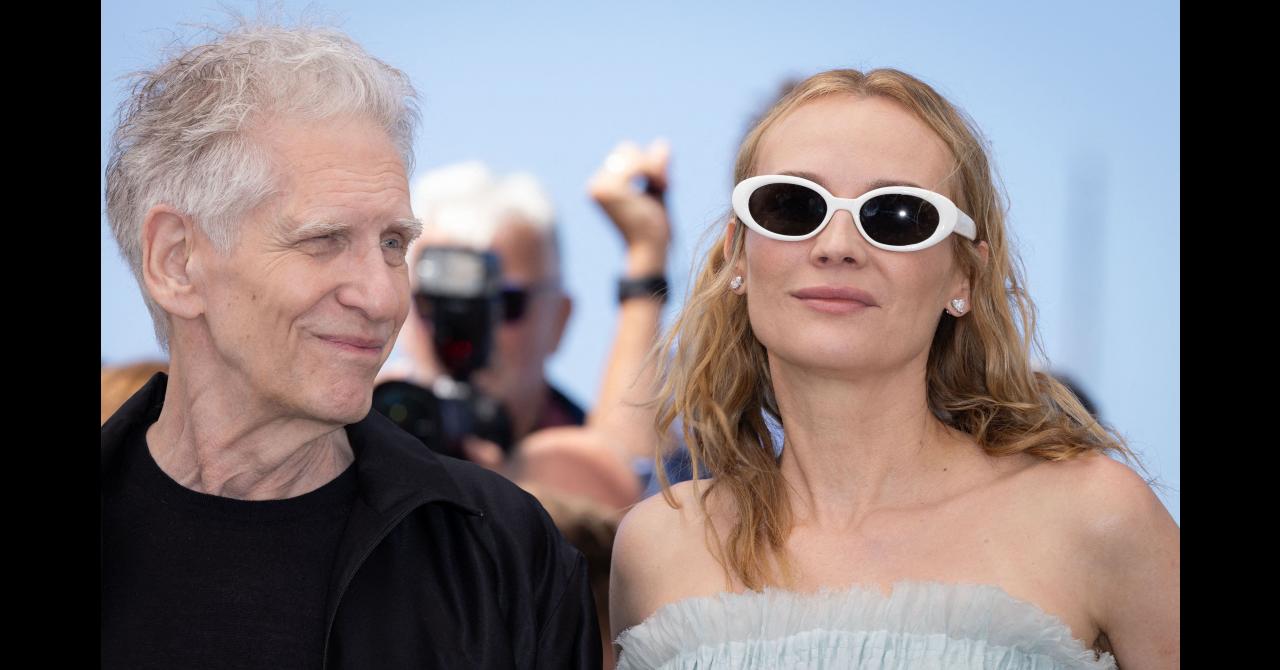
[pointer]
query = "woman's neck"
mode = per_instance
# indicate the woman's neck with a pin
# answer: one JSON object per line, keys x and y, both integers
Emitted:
{"x": 860, "y": 442}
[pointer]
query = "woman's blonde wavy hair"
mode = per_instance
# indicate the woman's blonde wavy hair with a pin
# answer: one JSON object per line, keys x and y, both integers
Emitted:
{"x": 980, "y": 378}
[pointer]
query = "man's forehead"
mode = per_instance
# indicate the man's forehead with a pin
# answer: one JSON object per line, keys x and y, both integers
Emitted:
{"x": 526, "y": 252}
{"x": 312, "y": 157}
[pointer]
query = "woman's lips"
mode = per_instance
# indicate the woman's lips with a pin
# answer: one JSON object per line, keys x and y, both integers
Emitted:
{"x": 835, "y": 299}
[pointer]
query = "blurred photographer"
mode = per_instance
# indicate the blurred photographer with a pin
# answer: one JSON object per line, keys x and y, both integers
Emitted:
{"x": 465, "y": 206}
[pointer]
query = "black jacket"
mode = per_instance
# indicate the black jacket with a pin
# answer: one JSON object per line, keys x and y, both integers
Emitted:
{"x": 443, "y": 564}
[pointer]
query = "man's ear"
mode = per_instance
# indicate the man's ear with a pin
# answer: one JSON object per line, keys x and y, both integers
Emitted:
{"x": 565, "y": 307}
{"x": 168, "y": 240}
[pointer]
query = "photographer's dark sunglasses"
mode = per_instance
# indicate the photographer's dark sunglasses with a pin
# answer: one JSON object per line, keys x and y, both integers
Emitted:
{"x": 894, "y": 218}
{"x": 515, "y": 299}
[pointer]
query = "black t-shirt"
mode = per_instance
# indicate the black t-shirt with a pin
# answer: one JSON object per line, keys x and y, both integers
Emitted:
{"x": 192, "y": 580}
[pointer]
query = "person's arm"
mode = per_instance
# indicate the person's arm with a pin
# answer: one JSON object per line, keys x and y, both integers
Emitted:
{"x": 576, "y": 461}
{"x": 540, "y": 580}
{"x": 1134, "y": 586}
{"x": 622, "y": 411}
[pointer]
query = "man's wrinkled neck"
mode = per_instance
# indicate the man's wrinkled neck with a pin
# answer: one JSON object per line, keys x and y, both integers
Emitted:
{"x": 213, "y": 437}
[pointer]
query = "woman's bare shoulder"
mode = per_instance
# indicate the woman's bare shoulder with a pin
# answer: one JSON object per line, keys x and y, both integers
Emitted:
{"x": 660, "y": 555}
{"x": 1095, "y": 485}
{"x": 1108, "y": 503}
{"x": 654, "y": 533}
{"x": 1129, "y": 545}
{"x": 1106, "y": 508}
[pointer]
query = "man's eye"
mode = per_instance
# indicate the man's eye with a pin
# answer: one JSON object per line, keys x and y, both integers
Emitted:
{"x": 319, "y": 243}
{"x": 394, "y": 249}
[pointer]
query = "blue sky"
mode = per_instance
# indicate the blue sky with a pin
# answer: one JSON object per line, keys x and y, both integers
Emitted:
{"x": 1080, "y": 102}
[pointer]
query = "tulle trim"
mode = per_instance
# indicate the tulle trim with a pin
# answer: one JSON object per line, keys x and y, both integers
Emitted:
{"x": 973, "y": 625}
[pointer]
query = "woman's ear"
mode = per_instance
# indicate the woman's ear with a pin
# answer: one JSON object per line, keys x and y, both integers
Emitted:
{"x": 739, "y": 266}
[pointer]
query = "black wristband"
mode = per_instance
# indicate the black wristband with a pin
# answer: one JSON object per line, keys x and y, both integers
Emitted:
{"x": 654, "y": 288}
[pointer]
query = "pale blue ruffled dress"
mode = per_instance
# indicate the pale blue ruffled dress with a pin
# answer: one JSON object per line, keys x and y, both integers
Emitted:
{"x": 919, "y": 625}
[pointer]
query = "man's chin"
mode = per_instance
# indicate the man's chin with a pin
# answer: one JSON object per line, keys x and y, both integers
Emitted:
{"x": 345, "y": 407}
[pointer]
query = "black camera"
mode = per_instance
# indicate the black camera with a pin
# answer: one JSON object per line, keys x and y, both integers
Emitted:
{"x": 459, "y": 296}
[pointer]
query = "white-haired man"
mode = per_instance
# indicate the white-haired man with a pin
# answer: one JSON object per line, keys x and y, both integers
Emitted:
{"x": 255, "y": 512}
{"x": 512, "y": 216}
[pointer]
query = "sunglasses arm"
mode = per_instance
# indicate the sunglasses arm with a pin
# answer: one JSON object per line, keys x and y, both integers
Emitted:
{"x": 965, "y": 225}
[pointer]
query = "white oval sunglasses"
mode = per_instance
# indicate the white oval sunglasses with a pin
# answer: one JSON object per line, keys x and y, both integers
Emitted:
{"x": 893, "y": 218}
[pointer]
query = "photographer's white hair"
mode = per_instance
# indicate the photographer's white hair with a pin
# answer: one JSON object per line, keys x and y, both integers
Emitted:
{"x": 185, "y": 134}
{"x": 466, "y": 202}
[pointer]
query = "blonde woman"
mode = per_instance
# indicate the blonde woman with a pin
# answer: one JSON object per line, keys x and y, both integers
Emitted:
{"x": 937, "y": 503}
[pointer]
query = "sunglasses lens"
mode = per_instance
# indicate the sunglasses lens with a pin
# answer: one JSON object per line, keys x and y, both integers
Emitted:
{"x": 898, "y": 219}
{"x": 514, "y": 301}
{"x": 787, "y": 209}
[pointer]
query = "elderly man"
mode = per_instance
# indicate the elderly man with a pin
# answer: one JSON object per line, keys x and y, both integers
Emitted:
{"x": 255, "y": 513}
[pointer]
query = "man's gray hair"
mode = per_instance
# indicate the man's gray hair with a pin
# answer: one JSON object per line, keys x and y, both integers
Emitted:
{"x": 470, "y": 204}
{"x": 185, "y": 131}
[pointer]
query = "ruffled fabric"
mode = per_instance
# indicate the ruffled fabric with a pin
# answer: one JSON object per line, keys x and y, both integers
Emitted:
{"x": 919, "y": 625}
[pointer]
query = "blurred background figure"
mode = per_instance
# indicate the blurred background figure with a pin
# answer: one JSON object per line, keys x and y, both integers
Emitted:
{"x": 466, "y": 206}
{"x": 489, "y": 310}
{"x": 630, "y": 186}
